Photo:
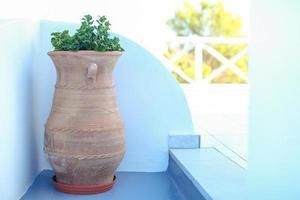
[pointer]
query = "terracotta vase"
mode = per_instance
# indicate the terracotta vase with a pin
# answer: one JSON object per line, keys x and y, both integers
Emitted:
{"x": 84, "y": 138}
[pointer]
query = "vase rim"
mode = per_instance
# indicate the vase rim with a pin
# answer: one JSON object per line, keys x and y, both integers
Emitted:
{"x": 86, "y": 52}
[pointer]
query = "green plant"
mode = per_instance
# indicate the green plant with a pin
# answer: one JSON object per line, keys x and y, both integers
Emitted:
{"x": 87, "y": 37}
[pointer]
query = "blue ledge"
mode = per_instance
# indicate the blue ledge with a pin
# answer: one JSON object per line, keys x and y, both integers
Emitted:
{"x": 184, "y": 141}
{"x": 129, "y": 186}
{"x": 213, "y": 174}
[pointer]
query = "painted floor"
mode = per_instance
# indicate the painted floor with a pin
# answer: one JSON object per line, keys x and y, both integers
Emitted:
{"x": 129, "y": 186}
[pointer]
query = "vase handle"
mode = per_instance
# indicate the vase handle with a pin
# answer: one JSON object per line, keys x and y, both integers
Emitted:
{"x": 92, "y": 72}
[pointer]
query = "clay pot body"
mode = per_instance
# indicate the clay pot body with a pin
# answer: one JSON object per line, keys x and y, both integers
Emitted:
{"x": 84, "y": 138}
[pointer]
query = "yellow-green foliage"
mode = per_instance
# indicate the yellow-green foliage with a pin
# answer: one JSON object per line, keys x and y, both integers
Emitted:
{"x": 208, "y": 19}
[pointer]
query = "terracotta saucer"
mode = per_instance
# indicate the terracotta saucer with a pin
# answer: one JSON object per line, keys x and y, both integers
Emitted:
{"x": 82, "y": 189}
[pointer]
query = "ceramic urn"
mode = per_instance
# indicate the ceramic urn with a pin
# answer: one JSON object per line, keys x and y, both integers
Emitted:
{"x": 84, "y": 133}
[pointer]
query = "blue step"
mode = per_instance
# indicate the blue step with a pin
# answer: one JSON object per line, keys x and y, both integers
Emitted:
{"x": 213, "y": 174}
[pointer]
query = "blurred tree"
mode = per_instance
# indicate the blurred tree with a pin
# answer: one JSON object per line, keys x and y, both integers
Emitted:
{"x": 207, "y": 19}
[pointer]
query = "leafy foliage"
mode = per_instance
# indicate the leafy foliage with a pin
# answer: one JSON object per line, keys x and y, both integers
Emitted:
{"x": 87, "y": 37}
{"x": 207, "y": 19}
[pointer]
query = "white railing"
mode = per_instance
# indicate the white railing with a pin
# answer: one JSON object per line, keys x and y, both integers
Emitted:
{"x": 200, "y": 44}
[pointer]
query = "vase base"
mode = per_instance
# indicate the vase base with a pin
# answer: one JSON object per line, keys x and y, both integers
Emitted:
{"x": 82, "y": 189}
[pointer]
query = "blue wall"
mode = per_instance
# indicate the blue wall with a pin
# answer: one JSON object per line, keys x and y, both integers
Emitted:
{"x": 18, "y": 153}
{"x": 151, "y": 102}
{"x": 274, "y": 150}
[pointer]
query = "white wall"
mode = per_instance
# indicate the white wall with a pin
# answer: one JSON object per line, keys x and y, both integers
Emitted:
{"x": 18, "y": 153}
{"x": 274, "y": 150}
{"x": 217, "y": 99}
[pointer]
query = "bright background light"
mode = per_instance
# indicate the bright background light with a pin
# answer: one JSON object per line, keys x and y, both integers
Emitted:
{"x": 140, "y": 20}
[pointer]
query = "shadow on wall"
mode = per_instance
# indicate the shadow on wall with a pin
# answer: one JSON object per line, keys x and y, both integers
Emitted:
{"x": 18, "y": 149}
{"x": 151, "y": 102}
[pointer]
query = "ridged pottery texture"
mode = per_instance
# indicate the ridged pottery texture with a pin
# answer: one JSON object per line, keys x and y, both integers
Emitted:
{"x": 84, "y": 137}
